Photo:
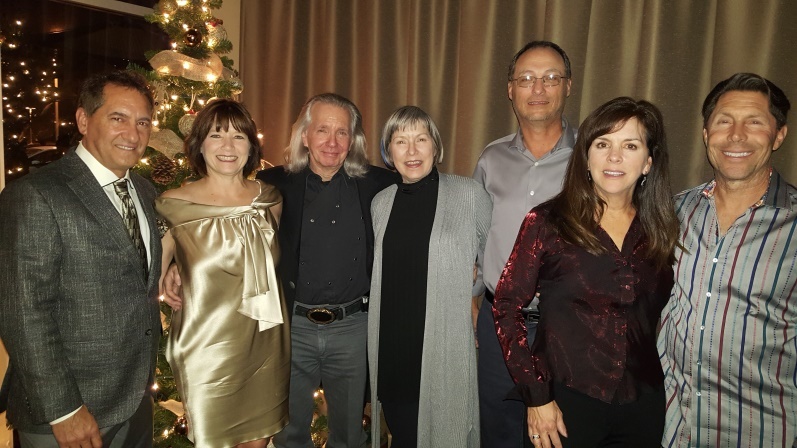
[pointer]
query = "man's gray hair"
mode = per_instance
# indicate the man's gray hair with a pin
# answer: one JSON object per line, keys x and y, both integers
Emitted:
{"x": 297, "y": 155}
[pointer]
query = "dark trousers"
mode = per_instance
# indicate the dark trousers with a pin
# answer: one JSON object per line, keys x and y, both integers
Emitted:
{"x": 592, "y": 423}
{"x": 503, "y": 422}
{"x": 402, "y": 422}
{"x": 335, "y": 355}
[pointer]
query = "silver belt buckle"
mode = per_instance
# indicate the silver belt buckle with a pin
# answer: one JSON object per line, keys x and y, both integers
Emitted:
{"x": 320, "y": 316}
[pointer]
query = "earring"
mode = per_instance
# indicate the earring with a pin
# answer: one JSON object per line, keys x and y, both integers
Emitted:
{"x": 644, "y": 178}
{"x": 589, "y": 176}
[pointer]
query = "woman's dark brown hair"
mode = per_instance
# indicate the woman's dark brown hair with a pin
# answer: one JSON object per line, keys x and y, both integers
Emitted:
{"x": 577, "y": 210}
{"x": 219, "y": 115}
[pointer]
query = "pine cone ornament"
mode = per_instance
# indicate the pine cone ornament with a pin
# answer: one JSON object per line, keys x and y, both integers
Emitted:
{"x": 163, "y": 169}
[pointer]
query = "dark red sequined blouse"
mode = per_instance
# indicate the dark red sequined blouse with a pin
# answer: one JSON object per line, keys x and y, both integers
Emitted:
{"x": 598, "y": 314}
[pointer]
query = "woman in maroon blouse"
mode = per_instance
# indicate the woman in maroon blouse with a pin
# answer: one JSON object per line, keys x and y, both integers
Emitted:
{"x": 600, "y": 254}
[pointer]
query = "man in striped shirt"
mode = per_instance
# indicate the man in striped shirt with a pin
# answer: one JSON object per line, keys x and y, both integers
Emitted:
{"x": 728, "y": 341}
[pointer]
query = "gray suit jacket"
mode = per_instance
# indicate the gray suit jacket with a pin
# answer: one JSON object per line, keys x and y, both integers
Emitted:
{"x": 79, "y": 319}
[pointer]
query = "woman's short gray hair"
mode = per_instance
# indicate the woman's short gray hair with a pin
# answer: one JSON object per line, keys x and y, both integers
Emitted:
{"x": 297, "y": 155}
{"x": 408, "y": 117}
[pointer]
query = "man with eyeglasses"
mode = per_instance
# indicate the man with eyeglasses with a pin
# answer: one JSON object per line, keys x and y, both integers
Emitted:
{"x": 520, "y": 171}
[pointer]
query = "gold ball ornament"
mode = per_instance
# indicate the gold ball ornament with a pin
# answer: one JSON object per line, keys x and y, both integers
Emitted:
{"x": 192, "y": 37}
{"x": 186, "y": 123}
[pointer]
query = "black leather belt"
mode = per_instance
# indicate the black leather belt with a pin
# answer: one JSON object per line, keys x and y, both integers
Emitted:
{"x": 326, "y": 315}
{"x": 532, "y": 313}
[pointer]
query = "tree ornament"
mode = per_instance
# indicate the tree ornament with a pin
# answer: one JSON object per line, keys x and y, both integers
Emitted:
{"x": 215, "y": 21}
{"x": 216, "y": 31}
{"x": 192, "y": 37}
{"x": 186, "y": 123}
{"x": 163, "y": 169}
{"x": 181, "y": 425}
{"x": 366, "y": 421}
{"x": 236, "y": 86}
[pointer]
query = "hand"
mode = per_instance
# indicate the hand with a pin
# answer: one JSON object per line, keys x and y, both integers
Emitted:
{"x": 474, "y": 314}
{"x": 171, "y": 288}
{"x": 546, "y": 421}
{"x": 78, "y": 431}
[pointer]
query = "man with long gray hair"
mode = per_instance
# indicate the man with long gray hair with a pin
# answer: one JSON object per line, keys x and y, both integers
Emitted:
{"x": 327, "y": 246}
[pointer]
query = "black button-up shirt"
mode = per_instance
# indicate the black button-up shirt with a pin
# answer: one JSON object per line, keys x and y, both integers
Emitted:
{"x": 332, "y": 248}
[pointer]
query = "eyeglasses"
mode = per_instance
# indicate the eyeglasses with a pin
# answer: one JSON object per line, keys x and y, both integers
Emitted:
{"x": 549, "y": 80}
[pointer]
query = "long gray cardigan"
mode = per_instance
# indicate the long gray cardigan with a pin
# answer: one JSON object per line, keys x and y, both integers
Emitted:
{"x": 448, "y": 413}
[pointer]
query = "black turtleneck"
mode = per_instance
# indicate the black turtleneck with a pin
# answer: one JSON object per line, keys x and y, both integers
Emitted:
{"x": 405, "y": 260}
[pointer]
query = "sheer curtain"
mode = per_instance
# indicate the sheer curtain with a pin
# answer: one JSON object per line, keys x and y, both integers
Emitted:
{"x": 450, "y": 58}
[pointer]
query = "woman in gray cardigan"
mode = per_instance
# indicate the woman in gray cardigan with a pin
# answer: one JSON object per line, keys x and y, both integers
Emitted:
{"x": 421, "y": 348}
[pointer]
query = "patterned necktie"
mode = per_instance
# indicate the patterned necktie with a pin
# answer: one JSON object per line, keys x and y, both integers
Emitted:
{"x": 131, "y": 220}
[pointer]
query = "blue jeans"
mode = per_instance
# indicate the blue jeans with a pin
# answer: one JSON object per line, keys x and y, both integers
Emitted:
{"x": 335, "y": 355}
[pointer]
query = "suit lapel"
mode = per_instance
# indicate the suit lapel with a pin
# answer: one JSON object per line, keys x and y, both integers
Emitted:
{"x": 90, "y": 193}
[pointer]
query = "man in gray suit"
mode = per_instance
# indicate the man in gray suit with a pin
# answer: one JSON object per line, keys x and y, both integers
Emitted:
{"x": 78, "y": 289}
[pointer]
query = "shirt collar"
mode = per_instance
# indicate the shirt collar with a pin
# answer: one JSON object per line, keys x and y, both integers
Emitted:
{"x": 103, "y": 175}
{"x": 340, "y": 174}
{"x": 566, "y": 141}
{"x": 777, "y": 194}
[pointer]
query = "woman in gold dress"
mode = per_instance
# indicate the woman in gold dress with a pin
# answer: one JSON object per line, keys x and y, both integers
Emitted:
{"x": 229, "y": 342}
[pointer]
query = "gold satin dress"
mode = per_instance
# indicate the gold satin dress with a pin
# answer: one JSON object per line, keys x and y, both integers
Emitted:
{"x": 229, "y": 345}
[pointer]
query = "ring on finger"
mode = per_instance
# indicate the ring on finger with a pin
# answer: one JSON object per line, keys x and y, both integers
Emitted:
{"x": 535, "y": 437}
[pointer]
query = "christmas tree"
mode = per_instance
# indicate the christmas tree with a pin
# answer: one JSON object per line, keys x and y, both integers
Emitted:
{"x": 184, "y": 78}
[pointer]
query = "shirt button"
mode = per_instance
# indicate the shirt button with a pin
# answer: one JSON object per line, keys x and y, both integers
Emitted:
{"x": 702, "y": 327}
{"x": 698, "y": 394}
{"x": 355, "y": 258}
{"x": 708, "y": 294}
{"x": 531, "y": 193}
{"x": 715, "y": 260}
{"x": 329, "y": 283}
{"x": 303, "y": 263}
{"x": 148, "y": 332}
{"x": 312, "y": 220}
{"x": 337, "y": 205}
{"x": 333, "y": 221}
{"x": 627, "y": 287}
{"x": 536, "y": 163}
{"x": 698, "y": 363}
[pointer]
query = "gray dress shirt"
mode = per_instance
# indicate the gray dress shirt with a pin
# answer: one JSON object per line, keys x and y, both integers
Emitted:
{"x": 516, "y": 182}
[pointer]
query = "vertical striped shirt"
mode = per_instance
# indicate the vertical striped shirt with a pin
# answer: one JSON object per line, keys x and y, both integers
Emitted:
{"x": 728, "y": 341}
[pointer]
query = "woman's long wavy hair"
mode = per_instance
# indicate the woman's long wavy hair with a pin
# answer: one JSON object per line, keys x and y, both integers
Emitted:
{"x": 577, "y": 210}
{"x": 297, "y": 156}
